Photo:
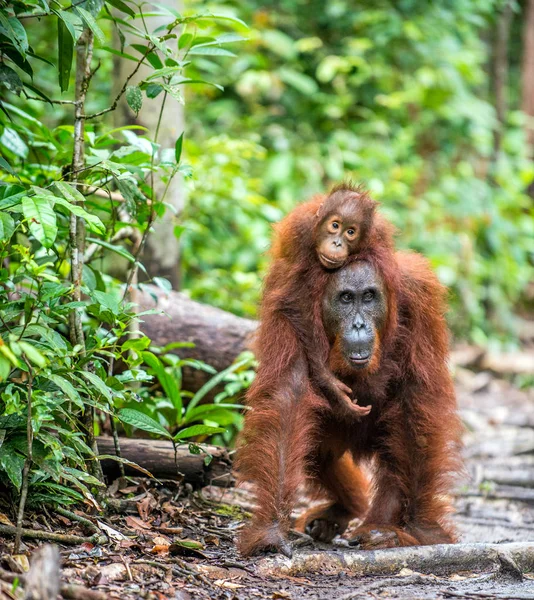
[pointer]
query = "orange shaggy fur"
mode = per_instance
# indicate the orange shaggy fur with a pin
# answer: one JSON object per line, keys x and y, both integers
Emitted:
{"x": 292, "y": 434}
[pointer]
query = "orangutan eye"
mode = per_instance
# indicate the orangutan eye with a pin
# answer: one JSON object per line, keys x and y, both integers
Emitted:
{"x": 345, "y": 297}
{"x": 369, "y": 296}
{"x": 351, "y": 232}
{"x": 335, "y": 225}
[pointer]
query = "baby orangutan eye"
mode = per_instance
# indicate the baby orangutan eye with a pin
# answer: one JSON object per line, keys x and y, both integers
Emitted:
{"x": 351, "y": 232}
{"x": 335, "y": 225}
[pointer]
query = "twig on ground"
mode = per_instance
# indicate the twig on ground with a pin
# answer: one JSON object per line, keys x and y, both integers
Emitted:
{"x": 476, "y": 595}
{"x": 61, "y": 538}
{"x": 75, "y": 517}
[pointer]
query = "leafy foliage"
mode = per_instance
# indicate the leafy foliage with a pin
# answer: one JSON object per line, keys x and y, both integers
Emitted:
{"x": 64, "y": 321}
{"x": 393, "y": 94}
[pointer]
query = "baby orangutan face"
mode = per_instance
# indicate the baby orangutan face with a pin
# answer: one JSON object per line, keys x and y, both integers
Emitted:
{"x": 337, "y": 238}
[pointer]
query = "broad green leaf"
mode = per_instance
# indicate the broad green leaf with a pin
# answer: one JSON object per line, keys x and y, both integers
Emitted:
{"x": 107, "y": 301}
{"x": 122, "y": 6}
{"x": 65, "y": 386}
{"x": 33, "y": 354}
{"x": 90, "y": 479}
{"x": 100, "y": 385}
{"x": 51, "y": 338}
{"x": 90, "y": 21}
{"x": 223, "y": 18}
{"x": 7, "y": 226}
{"x": 93, "y": 222}
{"x": 168, "y": 383}
{"x": 153, "y": 90}
{"x": 69, "y": 192}
{"x": 142, "y": 421}
{"x": 12, "y": 463}
{"x": 134, "y": 97}
{"x": 6, "y": 166}
{"x": 15, "y": 32}
{"x": 178, "y": 148}
{"x": 184, "y": 40}
{"x": 41, "y": 219}
{"x": 10, "y": 79}
{"x": 195, "y": 430}
{"x": 13, "y": 142}
{"x": 65, "y": 48}
{"x": 5, "y": 368}
{"x": 210, "y": 51}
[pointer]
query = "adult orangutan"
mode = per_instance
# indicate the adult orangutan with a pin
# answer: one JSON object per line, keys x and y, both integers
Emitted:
{"x": 387, "y": 342}
{"x": 315, "y": 239}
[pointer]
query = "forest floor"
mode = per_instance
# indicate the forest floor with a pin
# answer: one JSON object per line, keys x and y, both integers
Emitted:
{"x": 170, "y": 545}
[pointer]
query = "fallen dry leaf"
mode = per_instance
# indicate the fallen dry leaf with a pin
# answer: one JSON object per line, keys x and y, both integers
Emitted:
{"x": 230, "y": 585}
{"x": 137, "y": 523}
{"x": 113, "y": 533}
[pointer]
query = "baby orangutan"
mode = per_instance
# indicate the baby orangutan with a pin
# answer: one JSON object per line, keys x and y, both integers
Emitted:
{"x": 316, "y": 238}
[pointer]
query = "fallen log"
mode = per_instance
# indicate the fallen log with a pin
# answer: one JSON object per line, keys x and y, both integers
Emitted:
{"x": 219, "y": 336}
{"x": 515, "y": 557}
{"x": 157, "y": 456}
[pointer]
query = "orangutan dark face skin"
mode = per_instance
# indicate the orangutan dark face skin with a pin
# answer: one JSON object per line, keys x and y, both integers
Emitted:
{"x": 337, "y": 238}
{"x": 354, "y": 311}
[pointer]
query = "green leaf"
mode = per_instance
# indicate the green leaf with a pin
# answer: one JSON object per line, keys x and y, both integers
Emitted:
{"x": 195, "y": 430}
{"x": 69, "y": 192}
{"x": 12, "y": 463}
{"x": 14, "y": 30}
{"x": 10, "y": 79}
{"x": 5, "y": 368}
{"x": 164, "y": 72}
{"x": 205, "y": 410}
{"x": 153, "y": 90}
{"x": 65, "y": 386}
{"x": 118, "y": 53}
{"x": 178, "y": 148}
{"x": 90, "y": 21}
{"x": 125, "y": 461}
{"x": 223, "y": 18}
{"x": 6, "y": 166}
{"x": 117, "y": 249}
{"x": 107, "y": 301}
{"x": 168, "y": 383}
{"x": 215, "y": 380}
{"x": 65, "y": 45}
{"x": 134, "y": 97}
{"x": 41, "y": 219}
{"x": 7, "y": 226}
{"x": 210, "y": 51}
{"x": 90, "y": 479}
{"x": 33, "y": 355}
{"x": 13, "y": 142}
{"x": 121, "y": 6}
{"x": 93, "y": 222}
{"x": 142, "y": 421}
{"x": 99, "y": 384}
